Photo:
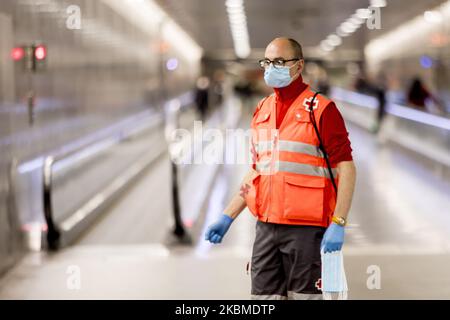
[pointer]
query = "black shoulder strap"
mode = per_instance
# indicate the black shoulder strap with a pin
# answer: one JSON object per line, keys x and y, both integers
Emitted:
{"x": 321, "y": 146}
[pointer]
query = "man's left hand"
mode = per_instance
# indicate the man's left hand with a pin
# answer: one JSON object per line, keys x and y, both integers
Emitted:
{"x": 333, "y": 238}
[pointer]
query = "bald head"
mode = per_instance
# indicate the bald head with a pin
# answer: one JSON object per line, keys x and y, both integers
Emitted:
{"x": 285, "y": 47}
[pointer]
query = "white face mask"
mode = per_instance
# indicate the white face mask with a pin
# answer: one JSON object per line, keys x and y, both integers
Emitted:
{"x": 334, "y": 282}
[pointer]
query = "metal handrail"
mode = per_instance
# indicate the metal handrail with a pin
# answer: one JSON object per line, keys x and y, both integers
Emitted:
{"x": 53, "y": 234}
{"x": 53, "y": 231}
{"x": 414, "y": 120}
{"x": 400, "y": 111}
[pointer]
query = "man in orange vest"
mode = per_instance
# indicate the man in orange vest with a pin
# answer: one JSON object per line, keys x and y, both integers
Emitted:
{"x": 301, "y": 183}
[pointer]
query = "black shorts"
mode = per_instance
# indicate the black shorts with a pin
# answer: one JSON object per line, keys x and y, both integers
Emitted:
{"x": 286, "y": 262}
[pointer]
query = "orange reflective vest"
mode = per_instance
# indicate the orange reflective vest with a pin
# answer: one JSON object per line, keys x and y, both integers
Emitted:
{"x": 291, "y": 183}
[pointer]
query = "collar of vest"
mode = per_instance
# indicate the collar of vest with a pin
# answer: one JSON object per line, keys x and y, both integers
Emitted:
{"x": 300, "y": 105}
{"x": 292, "y": 91}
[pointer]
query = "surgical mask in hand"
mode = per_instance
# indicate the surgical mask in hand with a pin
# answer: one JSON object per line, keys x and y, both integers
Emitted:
{"x": 278, "y": 77}
{"x": 334, "y": 282}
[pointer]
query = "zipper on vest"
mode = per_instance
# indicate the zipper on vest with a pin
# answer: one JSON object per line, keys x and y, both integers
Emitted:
{"x": 272, "y": 163}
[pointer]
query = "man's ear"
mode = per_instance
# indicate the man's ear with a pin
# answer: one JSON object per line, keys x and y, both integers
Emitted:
{"x": 301, "y": 65}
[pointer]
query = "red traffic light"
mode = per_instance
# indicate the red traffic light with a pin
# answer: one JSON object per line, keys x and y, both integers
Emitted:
{"x": 17, "y": 53}
{"x": 40, "y": 52}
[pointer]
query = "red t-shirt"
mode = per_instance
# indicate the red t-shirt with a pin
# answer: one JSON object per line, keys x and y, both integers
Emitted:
{"x": 331, "y": 127}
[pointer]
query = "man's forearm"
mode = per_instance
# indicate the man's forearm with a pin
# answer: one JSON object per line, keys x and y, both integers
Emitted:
{"x": 237, "y": 203}
{"x": 235, "y": 206}
{"x": 347, "y": 177}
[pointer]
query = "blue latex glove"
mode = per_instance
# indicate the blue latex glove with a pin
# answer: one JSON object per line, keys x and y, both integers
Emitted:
{"x": 216, "y": 231}
{"x": 333, "y": 238}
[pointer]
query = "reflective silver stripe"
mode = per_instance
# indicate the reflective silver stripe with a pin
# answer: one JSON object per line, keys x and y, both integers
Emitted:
{"x": 304, "y": 296}
{"x": 268, "y": 297}
{"x": 291, "y": 146}
{"x": 300, "y": 168}
{"x": 300, "y": 147}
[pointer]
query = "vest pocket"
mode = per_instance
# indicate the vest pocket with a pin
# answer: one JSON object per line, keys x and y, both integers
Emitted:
{"x": 250, "y": 191}
{"x": 304, "y": 198}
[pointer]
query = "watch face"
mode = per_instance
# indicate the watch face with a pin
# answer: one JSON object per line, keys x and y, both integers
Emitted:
{"x": 340, "y": 220}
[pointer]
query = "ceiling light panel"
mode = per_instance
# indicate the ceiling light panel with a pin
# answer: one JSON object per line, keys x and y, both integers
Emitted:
{"x": 238, "y": 26}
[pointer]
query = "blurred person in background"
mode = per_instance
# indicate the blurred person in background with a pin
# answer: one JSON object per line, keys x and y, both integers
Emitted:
{"x": 362, "y": 84}
{"x": 217, "y": 86}
{"x": 202, "y": 96}
{"x": 417, "y": 94}
{"x": 420, "y": 97}
{"x": 379, "y": 89}
{"x": 244, "y": 90}
{"x": 323, "y": 86}
{"x": 376, "y": 88}
{"x": 299, "y": 145}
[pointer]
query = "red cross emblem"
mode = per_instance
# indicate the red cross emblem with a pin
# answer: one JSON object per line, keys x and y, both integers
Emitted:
{"x": 318, "y": 284}
{"x": 244, "y": 190}
{"x": 307, "y": 103}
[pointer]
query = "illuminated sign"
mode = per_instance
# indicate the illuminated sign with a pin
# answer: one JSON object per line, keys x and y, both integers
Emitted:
{"x": 40, "y": 52}
{"x": 17, "y": 53}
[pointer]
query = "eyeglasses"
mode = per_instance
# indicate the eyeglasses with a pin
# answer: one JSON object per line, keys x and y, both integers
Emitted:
{"x": 279, "y": 62}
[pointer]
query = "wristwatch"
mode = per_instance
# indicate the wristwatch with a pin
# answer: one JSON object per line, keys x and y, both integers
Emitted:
{"x": 339, "y": 220}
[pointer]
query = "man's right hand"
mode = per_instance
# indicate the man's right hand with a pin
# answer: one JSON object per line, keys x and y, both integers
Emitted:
{"x": 217, "y": 231}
